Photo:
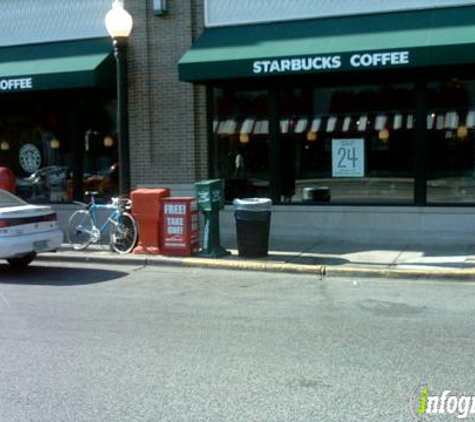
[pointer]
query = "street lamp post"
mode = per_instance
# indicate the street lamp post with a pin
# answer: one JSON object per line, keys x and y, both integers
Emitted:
{"x": 119, "y": 25}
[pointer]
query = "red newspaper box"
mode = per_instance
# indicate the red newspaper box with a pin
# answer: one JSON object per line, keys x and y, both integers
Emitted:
{"x": 180, "y": 234}
{"x": 146, "y": 210}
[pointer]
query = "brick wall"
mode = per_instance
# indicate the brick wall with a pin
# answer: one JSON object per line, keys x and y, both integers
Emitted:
{"x": 167, "y": 117}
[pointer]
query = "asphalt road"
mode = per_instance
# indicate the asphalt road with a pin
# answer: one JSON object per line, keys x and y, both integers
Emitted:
{"x": 97, "y": 343}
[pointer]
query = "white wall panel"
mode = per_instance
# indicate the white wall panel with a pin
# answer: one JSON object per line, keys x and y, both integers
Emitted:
{"x": 234, "y": 12}
{"x": 36, "y": 21}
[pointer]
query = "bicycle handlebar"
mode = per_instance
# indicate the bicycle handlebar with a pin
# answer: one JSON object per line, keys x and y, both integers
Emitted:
{"x": 116, "y": 201}
{"x": 91, "y": 193}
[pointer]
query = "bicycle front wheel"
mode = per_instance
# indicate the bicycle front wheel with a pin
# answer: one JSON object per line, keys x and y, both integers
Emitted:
{"x": 80, "y": 229}
{"x": 123, "y": 233}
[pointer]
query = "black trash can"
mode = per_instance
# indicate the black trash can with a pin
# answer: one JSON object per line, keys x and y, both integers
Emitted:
{"x": 252, "y": 226}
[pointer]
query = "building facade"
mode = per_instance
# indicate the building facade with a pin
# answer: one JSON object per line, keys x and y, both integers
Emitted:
{"x": 364, "y": 112}
{"x": 167, "y": 117}
{"x": 57, "y": 82}
{"x": 367, "y": 108}
{"x": 356, "y": 120}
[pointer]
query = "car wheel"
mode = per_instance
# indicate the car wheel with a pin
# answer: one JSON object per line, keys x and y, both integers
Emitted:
{"x": 23, "y": 261}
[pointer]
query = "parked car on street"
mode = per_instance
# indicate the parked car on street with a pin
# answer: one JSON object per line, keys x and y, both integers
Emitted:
{"x": 26, "y": 230}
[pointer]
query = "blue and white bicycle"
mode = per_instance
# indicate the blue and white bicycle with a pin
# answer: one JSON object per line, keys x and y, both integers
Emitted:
{"x": 84, "y": 227}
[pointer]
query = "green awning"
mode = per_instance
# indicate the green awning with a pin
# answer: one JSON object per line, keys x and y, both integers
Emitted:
{"x": 59, "y": 65}
{"x": 430, "y": 37}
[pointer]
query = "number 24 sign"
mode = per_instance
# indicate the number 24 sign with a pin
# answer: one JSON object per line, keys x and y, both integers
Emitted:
{"x": 348, "y": 158}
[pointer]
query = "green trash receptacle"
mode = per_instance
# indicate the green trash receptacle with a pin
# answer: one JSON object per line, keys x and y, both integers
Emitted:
{"x": 253, "y": 217}
{"x": 210, "y": 197}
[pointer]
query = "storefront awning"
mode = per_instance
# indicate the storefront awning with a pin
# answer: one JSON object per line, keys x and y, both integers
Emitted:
{"x": 431, "y": 37}
{"x": 59, "y": 65}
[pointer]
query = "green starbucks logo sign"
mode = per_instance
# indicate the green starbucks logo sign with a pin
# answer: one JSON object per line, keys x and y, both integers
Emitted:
{"x": 30, "y": 158}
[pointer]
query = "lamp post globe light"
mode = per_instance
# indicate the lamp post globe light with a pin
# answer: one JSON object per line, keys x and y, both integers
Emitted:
{"x": 119, "y": 26}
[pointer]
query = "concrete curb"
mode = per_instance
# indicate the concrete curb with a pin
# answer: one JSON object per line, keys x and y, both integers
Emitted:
{"x": 398, "y": 273}
{"x": 321, "y": 271}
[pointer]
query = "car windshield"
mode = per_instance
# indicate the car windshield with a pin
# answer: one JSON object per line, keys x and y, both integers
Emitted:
{"x": 9, "y": 200}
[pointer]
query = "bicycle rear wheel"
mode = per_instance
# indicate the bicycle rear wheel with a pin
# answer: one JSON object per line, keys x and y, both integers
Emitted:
{"x": 123, "y": 233}
{"x": 80, "y": 228}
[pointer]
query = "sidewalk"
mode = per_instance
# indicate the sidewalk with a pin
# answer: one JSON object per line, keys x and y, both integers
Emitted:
{"x": 320, "y": 258}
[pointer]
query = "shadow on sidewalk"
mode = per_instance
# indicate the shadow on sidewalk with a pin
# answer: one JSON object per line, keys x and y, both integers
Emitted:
{"x": 38, "y": 275}
{"x": 289, "y": 258}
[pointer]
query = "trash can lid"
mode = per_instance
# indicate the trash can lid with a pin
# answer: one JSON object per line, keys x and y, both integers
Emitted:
{"x": 252, "y": 204}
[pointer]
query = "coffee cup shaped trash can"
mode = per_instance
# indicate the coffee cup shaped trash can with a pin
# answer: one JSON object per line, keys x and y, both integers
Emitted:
{"x": 146, "y": 208}
{"x": 253, "y": 217}
{"x": 7, "y": 180}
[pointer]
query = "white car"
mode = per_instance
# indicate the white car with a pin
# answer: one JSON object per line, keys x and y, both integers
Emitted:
{"x": 26, "y": 230}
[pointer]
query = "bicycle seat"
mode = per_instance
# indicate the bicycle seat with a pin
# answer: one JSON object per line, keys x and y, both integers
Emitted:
{"x": 91, "y": 193}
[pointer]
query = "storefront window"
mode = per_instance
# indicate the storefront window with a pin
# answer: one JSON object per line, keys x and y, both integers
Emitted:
{"x": 39, "y": 144}
{"x": 241, "y": 142}
{"x": 100, "y": 153}
{"x": 36, "y": 150}
{"x": 451, "y": 142}
{"x": 351, "y": 144}
{"x": 347, "y": 145}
